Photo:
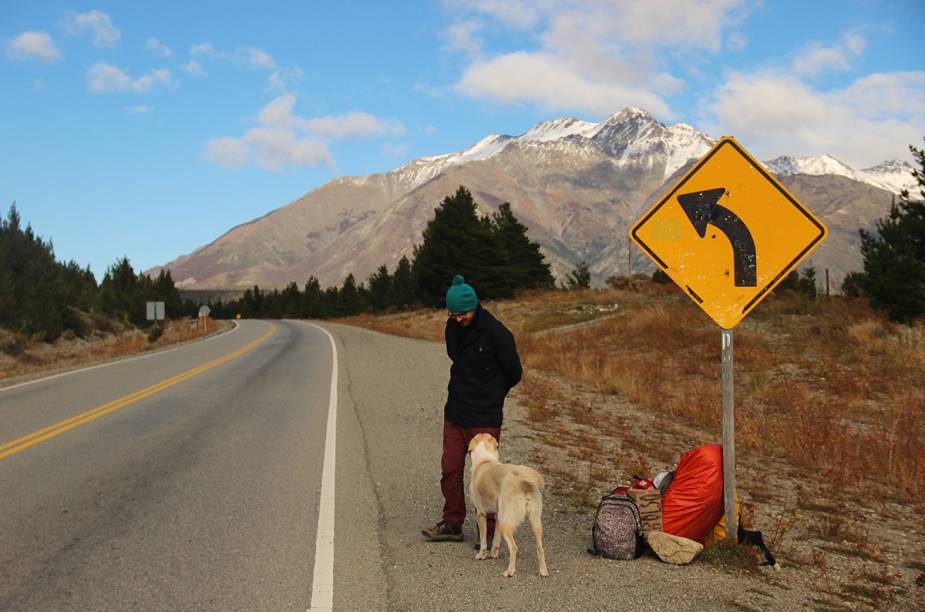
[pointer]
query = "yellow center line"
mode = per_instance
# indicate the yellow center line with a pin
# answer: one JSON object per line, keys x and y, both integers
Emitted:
{"x": 24, "y": 442}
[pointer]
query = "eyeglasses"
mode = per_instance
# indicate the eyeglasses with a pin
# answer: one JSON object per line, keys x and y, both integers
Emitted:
{"x": 456, "y": 315}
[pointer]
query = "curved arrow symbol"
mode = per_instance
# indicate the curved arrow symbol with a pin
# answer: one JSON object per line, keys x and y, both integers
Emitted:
{"x": 702, "y": 209}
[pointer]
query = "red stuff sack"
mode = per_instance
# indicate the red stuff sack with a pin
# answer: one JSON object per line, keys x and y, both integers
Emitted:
{"x": 693, "y": 503}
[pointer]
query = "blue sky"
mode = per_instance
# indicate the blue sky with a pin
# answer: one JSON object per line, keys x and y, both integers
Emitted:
{"x": 148, "y": 129}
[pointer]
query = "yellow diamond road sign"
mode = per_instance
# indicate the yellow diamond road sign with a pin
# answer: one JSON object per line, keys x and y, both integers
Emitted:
{"x": 727, "y": 233}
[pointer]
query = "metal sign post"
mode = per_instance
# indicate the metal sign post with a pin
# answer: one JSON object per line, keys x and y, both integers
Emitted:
{"x": 204, "y": 312}
{"x": 729, "y": 438}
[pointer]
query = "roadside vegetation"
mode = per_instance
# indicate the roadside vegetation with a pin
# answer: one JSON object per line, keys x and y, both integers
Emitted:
{"x": 54, "y": 315}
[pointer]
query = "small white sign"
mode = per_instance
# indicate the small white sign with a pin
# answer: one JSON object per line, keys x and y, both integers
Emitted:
{"x": 204, "y": 311}
{"x": 155, "y": 311}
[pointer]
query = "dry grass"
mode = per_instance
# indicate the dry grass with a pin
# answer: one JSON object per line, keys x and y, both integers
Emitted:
{"x": 827, "y": 386}
{"x": 21, "y": 357}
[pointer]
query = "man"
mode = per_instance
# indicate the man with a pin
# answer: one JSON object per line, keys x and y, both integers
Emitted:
{"x": 485, "y": 367}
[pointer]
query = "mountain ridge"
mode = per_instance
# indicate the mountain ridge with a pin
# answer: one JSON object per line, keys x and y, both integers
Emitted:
{"x": 576, "y": 185}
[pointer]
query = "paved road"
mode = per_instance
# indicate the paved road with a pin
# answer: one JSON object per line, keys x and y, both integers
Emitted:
{"x": 202, "y": 495}
{"x": 203, "y": 492}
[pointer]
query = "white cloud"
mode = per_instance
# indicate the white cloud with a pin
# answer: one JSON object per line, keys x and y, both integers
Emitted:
{"x": 229, "y": 152}
{"x": 139, "y": 110}
{"x": 282, "y": 139}
{"x": 855, "y": 42}
{"x": 278, "y": 112}
{"x": 256, "y": 57}
{"x": 736, "y": 41}
{"x": 351, "y": 124}
{"x": 395, "y": 150}
{"x": 250, "y": 57}
{"x": 872, "y": 119}
{"x": 33, "y": 45}
{"x": 675, "y": 23}
{"x": 276, "y": 148}
{"x": 521, "y": 14}
{"x": 281, "y": 76}
{"x": 553, "y": 84}
{"x": 817, "y": 58}
{"x": 95, "y": 23}
{"x": 595, "y": 55}
{"x": 202, "y": 50}
{"x": 194, "y": 68}
{"x": 158, "y": 47}
{"x": 103, "y": 77}
{"x": 461, "y": 36}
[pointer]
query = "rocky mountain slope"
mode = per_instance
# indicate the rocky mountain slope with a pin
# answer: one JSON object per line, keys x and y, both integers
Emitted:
{"x": 576, "y": 185}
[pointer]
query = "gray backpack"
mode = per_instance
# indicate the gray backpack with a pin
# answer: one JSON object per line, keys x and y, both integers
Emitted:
{"x": 617, "y": 529}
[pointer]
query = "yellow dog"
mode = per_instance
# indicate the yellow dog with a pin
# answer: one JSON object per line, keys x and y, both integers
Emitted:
{"x": 514, "y": 491}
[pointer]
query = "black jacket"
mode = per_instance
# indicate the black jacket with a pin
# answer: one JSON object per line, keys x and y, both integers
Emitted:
{"x": 485, "y": 367}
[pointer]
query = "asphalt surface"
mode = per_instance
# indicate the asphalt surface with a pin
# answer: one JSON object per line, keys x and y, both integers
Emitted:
{"x": 205, "y": 494}
{"x": 201, "y": 496}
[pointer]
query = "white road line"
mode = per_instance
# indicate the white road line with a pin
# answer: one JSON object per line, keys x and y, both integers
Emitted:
{"x": 116, "y": 361}
{"x": 323, "y": 580}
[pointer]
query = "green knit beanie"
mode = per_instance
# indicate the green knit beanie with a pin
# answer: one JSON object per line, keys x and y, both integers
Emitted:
{"x": 460, "y": 297}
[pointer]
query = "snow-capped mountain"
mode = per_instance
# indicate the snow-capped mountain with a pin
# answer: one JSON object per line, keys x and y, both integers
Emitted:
{"x": 634, "y": 137}
{"x": 631, "y": 137}
{"x": 576, "y": 185}
{"x": 893, "y": 175}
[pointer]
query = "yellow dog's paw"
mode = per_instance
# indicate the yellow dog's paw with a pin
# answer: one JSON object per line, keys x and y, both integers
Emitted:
{"x": 495, "y": 552}
{"x": 509, "y": 573}
{"x": 481, "y": 555}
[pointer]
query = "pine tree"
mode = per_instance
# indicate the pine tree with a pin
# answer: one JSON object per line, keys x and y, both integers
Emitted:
{"x": 165, "y": 291}
{"x": 313, "y": 304}
{"x": 523, "y": 263}
{"x": 380, "y": 289}
{"x": 799, "y": 282}
{"x": 291, "y": 301}
{"x": 349, "y": 298}
{"x": 39, "y": 295}
{"x": 403, "y": 288}
{"x": 457, "y": 241}
{"x": 580, "y": 277}
{"x": 894, "y": 257}
{"x": 251, "y": 304}
{"x": 121, "y": 294}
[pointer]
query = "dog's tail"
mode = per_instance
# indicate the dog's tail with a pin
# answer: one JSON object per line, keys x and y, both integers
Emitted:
{"x": 532, "y": 482}
{"x": 533, "y": 486}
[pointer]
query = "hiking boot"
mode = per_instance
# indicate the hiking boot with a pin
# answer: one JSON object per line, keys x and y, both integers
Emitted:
{"x": 443, "y": 532}
{"x": 488, "y": 540}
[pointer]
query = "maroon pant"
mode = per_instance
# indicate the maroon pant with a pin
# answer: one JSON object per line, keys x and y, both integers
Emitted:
{"x": 455, "y": 447}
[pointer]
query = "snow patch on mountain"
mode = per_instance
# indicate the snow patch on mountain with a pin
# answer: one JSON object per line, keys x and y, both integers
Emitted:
{"x": 894, "y": 175}
{"x": 558, "y": 129}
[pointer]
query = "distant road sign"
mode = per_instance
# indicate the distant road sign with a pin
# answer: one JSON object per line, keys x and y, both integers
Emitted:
{"x": 727, "y": 233}
{"x": 204, "y": 311}
{"x": 155, "y": 311}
